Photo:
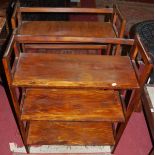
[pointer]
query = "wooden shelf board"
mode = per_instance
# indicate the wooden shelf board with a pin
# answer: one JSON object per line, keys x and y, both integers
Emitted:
{"x": 70, "y": 133}
{"x": 72, "y": 105}
{"x": 67, "y": 28}
{"x": 72, "y": 71}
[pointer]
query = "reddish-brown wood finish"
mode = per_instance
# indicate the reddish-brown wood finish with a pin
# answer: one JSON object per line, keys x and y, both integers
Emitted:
{"x": 64, "y": 46}
{"x": 65, "y": 28}
{"x": 85, "y": 72}
{"x": 113, "y": 11}
{"x": 72, "y": 105}
{"x": 71, "y": 40}
{"x": 54, "y": 70}
{"x": 66, "y": 10}
{"x": 68, "y": 28}
{"x": 70, "y": 133}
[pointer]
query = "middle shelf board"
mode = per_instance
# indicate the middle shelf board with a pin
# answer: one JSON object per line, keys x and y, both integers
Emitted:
{"x": 72, "y": 105}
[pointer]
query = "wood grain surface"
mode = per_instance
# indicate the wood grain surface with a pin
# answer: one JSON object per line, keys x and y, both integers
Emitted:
{"x": 69, "y": 29}
{"x": 80, "y": 71}
{"x": 72, "y": 105}
{"x": 67, "y": 10}
{"x": 70, "y": 133}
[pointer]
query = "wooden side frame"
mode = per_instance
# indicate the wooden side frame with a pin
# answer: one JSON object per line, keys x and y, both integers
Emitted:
{"x": 135, "y": 98}
{"x": 9, "y": 71}
{"x": 138, "y": 48}
{"x": 14, "y": 17}
{"x": 117, "y": 15}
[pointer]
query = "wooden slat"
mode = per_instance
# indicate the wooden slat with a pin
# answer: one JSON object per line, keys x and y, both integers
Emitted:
{"x": 63, "y": 39}
{"x": 66, "y": 10}
{"x": 70, "y": 133}
{"x": 89, "y": 71}
{"x": 67, "y": 28}
{"x": 72, "y": 105}
{"x": 65, "y": 46}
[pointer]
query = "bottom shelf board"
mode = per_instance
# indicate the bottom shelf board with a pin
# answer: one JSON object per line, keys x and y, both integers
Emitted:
{"x": 70, "y": 133}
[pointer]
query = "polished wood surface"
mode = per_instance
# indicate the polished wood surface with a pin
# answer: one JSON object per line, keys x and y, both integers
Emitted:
{"x": 65, "y": 28}
{"x": 72, "y": 105}
{"x": 66, "y": 10}
{"x": 70, "y": 133}
{"x": 54, "y": 70}
{"x": 70, "y": 40}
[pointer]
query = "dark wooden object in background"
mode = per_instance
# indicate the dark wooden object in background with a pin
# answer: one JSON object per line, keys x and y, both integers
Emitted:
{"x": 6, "y": 10}
{"x": 2, "y": 29}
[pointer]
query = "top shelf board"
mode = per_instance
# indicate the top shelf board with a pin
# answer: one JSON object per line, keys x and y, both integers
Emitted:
{"x": 67, "y": 28}
{"x": 74, "y": 71}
